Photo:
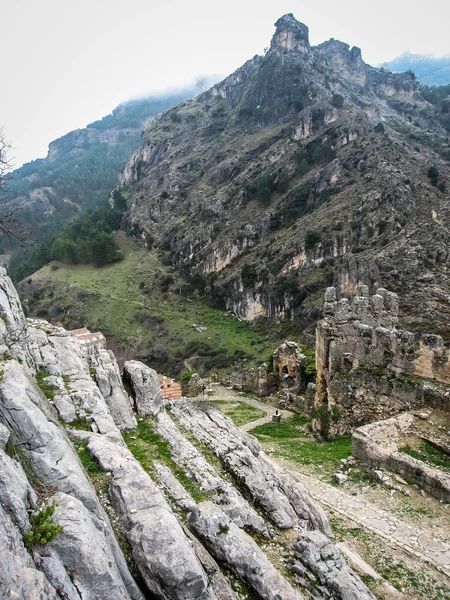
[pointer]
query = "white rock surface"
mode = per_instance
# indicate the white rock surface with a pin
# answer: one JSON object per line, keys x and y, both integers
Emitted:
{"x": 65, "y": 407}
{"x": 316, "y": 552}
{"x": 162, "y": 552}
{"x": 4, "y": 436}
{"x": 85, "y": 552}
{"x": 285, "y": 500}
{"x": 107, "y": 376}
{"x": 174, "y": 487}
{"x": 16, "y": 494}
{"x": 58, "y": 352}
{"x": 232, "y": 546}
{"x": 53, "y": 567}
{"x": 19, "y": 578}
{"x": 222, "y": 492}
{"x": 13, "y": 325}
{"x": 146, "y": 388}
{"x": 33, "y": 425}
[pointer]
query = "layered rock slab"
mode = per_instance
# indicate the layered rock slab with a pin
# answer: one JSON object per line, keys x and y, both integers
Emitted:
{"x": 109, "y": 381}
{"x": 35, "y": 430}
{"x": 233, "y": 547}
{"x": 58, "y": 352}
{"x": 84, "y": 551}
{"x": 146, "y": 388}
{"x": 315, "y": 551}
{"x": 225, "y": 495}
{"x": 16, "y": 494}
{"x": 286, "y": 502}
{"x": 19, "y": 577}
{"x": 162, "y": 552}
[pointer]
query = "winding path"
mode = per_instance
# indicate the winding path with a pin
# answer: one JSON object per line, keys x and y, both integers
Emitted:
{"x": 418, "y": 543}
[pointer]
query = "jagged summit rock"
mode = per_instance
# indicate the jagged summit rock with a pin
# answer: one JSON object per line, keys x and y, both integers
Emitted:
{"x": 290, "y": 36}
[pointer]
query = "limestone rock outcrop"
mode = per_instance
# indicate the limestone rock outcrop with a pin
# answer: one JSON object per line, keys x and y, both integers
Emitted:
{"x": 64, "y": 420}
{"x": 84, "y": 551}
{"x": 145, "y": 386}
{"x": 20, "y": 578}
{"x": 315, "y": 552}
{"x": 223, "y": 493}
{"x": 286, "y": 501}
{"x": 232, "y": 546}
{"x": 109, "y": 381}
{"x": 162, "y": 552}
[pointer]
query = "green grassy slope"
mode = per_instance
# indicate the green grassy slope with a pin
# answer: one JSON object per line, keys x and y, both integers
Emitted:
{"x": 144, "y": 305}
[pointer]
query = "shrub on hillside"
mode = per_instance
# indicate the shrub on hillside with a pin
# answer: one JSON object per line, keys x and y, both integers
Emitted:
{"x": 337, "y": 101}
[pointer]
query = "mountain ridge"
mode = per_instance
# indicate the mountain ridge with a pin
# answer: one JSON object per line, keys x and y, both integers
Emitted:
{"x": 81, "y": 167}
{"x": 430, "y": 70}
{"x": 353, "y": 145}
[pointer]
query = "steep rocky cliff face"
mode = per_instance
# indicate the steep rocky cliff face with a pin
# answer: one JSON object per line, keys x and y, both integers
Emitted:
{"x": 305, "y": 167}
{"x": 140, "y": 509}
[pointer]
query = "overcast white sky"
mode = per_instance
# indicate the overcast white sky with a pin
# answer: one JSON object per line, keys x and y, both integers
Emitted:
{"x": 66, "y": 63}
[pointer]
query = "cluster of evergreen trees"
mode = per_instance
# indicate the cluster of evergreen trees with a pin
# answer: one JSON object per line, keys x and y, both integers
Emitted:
{"x": 86, "y": 240}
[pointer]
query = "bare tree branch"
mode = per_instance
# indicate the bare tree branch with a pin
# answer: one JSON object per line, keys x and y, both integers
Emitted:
{"x": 9, "y": 227}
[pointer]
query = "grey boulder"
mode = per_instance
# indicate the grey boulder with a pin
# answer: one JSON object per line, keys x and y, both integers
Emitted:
{"x": 85, "y": 552}
{"x": 19, "y": 577}
{"x": 315, "y": 551}
{"x": 162, "y": 552}
{"x": 107, "y": 376}
{"x": 233, "y": 547}
{"x": 146, "y": 388}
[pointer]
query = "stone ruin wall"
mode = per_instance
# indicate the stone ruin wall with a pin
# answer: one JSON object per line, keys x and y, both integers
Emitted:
{"x": 288, "y": 359}
{"x": 371, "y": 370}
{"x": 377, "y": 446}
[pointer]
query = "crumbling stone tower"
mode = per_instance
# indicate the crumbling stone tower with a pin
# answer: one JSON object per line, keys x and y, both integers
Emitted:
{"x": 370, "y": 370}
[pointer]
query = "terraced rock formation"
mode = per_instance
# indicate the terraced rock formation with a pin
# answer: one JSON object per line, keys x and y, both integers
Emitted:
{"x": 175, "y": 515}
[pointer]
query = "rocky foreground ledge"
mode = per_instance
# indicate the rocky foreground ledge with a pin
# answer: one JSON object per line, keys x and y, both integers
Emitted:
{"x": 150, "y": 503}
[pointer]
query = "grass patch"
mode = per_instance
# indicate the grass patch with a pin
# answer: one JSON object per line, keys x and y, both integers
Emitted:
{"x": 101, "y": 480}
{"x": 293, "y": 428}
{"x": 239, "y": 413}
{"x": 148, "y": 447}
{"x": 115, "y": 296}
{"x": 325, "y": 455}
{"x": 89, "y": 463}
{"x": 286, "y": 440}
{"x": 429, "y": 455}
{"x": 80, "y": 424}
{"x": 413, "y": 510}
{"x": 48, "y": 390}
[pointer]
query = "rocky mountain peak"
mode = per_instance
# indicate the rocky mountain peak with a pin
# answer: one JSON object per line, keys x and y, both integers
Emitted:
{"x": 290, "y": 36}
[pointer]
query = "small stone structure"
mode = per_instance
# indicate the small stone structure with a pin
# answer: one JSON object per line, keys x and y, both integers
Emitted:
{"x": 288, "y": 366}
{"x": 89, "y": 342}
{"x": 368, "y": 368}
{"x": 377, "y": 445}
{"x": 170, "y": 389}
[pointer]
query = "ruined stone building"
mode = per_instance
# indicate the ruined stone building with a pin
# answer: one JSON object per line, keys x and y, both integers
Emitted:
{"x": 89, "y": 342}
{"x": 170, "y": 389}
{"x": 370, "y": 370}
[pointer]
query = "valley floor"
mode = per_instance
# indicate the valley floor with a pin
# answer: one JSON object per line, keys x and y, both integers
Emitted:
{"x": 403, "y": 538}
